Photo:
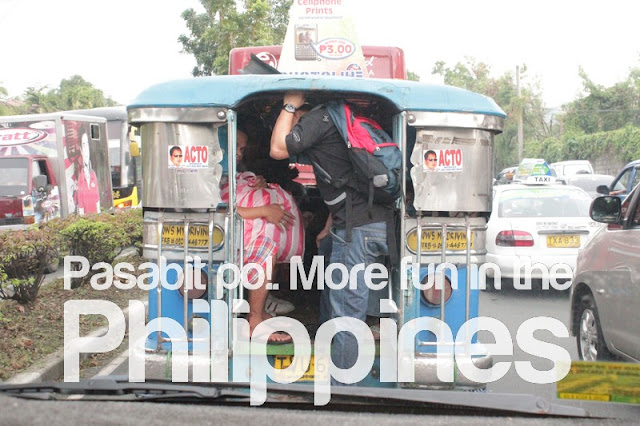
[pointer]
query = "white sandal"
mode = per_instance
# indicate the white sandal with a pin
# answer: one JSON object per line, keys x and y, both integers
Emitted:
{"x": 275, "y": 306}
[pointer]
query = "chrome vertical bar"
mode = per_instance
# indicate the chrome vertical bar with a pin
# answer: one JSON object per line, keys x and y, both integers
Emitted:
{"x": 241, "y": 254}
{"x": 468, "y": 295}
{"x": 231, "y": 210}
{"x": 228, "y": 296}
{"x": 444, "y": 259}
{"x": 400, "y": 135}
{"x": 419, "y": 253}
{"x": 467, "y": 306}
{"x": 210, "y": 262}
{"x": 185, "y": 276}
{"x": 159, "y": 285}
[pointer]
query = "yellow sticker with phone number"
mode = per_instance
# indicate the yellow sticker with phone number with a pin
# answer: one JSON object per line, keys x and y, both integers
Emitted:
{"x": 601, "y": 381}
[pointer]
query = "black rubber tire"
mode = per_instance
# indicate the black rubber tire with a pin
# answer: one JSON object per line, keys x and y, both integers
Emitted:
{"x": 589, "y": 337}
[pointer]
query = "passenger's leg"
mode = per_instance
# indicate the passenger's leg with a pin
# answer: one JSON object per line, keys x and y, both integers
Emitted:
{"x": 368, "y": 242}
{"x": 262, "y": 251}
{"x": 257, "y": 299}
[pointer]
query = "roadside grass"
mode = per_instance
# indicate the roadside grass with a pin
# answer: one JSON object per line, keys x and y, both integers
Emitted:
{"x": 28, "y": 333}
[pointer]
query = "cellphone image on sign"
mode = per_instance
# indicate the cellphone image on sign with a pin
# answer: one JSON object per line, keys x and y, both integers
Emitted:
{"x": 306, "y": 37}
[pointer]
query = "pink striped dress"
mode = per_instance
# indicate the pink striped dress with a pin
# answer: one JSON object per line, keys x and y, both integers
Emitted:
{"x": 261, "y": 238}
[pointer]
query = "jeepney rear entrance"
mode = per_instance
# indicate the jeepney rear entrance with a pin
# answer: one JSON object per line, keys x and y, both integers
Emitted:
{"x": 185, "y": 216}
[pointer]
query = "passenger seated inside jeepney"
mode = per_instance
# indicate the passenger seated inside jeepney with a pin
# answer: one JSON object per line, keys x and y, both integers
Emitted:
{"x": 273, "y": 232}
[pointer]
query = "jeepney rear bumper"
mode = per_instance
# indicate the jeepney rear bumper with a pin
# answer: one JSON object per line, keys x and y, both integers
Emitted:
{"x": 8, "y": 226}
{"x": 426, "y": 374}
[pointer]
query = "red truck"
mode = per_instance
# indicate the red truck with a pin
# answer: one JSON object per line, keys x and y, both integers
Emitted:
{"x": 52, "y": 165}
{"x": 382, "y": 61}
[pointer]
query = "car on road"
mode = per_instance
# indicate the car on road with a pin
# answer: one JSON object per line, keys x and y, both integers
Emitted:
{"x": 564, "y": 169}
{"x": 505, "y": 175}
{"x": 627, "y": 179}
{"x": 537, "y": 224}
{"x": 591, "y": 182}
{"x": 605, "y": 293}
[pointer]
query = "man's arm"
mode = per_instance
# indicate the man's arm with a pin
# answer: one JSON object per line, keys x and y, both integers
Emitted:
{"x": 325, "y": 231}
{"x": 283, "y": 126}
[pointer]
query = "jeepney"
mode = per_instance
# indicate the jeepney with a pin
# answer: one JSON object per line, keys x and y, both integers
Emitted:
{"x": 447, "y": 205}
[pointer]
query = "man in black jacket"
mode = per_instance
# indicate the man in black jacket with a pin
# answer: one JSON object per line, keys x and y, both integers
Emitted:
{"x": 314, "y": 133}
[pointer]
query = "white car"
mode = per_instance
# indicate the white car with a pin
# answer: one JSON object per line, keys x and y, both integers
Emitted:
{"x": 572, "y": 167}
{"x": 537, "y": 225}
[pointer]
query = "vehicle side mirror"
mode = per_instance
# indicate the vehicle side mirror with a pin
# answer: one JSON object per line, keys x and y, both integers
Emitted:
{"x": 607, "y": 209}
{"x": 40, "y": 183}
{"x": 602, "y": 189}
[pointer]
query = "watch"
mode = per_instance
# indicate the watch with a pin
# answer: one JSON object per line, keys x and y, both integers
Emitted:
{"x": 290, "y": 108}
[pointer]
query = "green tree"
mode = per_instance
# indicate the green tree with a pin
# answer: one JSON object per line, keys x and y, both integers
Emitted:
{"x": 223, "y": 27}
{"x": 476, "y": 76}
{"x": 73, "y": 93}
{"x": 6, "y": 106}
{"x": 77, "y": 93}
{"x": 603, "y": 109}
{"x": 37, "y": 100}
{"x": 412, "y": 76}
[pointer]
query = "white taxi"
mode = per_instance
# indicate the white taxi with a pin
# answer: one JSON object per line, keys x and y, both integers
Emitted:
{"x": 536, "y": 229}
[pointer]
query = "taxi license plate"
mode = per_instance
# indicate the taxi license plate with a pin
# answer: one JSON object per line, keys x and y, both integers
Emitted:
{"x": 174, "y": 235}
{"x": 432, "y": 240}
{"x": 283, "y": 361}
{"x": 563, "y": 241}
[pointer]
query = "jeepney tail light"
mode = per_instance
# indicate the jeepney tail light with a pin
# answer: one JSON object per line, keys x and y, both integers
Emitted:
{"x": 514, "y": 239}
{"x": 196, "y": 290}
{"x": 124, "y": 205}
{"x": 432, "y": 294}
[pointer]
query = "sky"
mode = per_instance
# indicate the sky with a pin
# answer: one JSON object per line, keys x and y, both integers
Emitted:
{"x": 124, "y": 46}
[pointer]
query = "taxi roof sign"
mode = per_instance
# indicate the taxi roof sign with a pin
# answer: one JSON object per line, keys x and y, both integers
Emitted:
{"x": 531, "y": 168}
{"x": 540, "y": 180}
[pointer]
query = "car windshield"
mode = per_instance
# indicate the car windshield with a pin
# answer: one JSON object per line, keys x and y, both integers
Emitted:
{"x": 572, "y": 169}
{"x": 14, "y": 176}
{"x": 543, "y": 202}
{"x": 589, "y": 183}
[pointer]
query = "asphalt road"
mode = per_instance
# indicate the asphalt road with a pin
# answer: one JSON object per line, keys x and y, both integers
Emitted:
{"x": 513, "y": 308}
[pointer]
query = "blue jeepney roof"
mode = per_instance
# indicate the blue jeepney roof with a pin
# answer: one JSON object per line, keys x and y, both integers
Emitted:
{"x": 229, "y": 91}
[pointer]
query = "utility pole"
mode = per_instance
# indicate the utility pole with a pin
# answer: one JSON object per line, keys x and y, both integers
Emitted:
{"x": 520, "y": 114}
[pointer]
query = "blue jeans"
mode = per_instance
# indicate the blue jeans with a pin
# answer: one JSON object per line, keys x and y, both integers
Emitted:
{"x": 325, "y": 307}
{"x": 368, "y": 243}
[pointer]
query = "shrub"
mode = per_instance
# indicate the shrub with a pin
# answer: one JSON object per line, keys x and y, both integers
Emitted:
{"x": 621, "y": 143}
{"x": 129, "y": 223}
{"x": 23, "y": 258}
{"x": 97, "y": 237}
{"x": 53, "y": 228}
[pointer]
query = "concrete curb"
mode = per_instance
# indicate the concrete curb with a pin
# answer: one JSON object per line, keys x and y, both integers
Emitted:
{"x": 51, "y": 368}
